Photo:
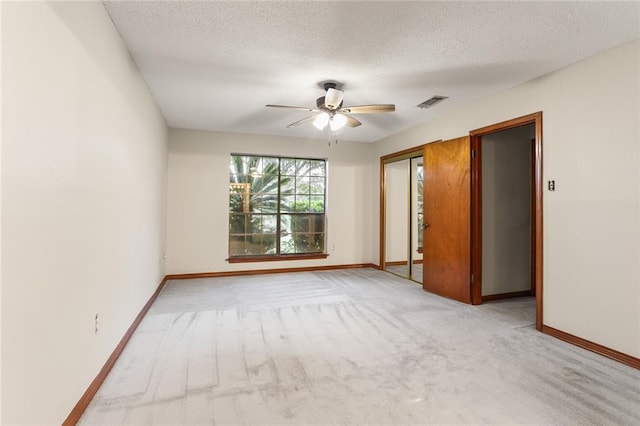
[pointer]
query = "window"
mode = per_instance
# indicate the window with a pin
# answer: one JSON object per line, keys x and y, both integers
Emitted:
{"x": 276, "y": 207}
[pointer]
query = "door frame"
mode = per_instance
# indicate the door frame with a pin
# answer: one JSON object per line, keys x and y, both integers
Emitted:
{"x": 476, "y": 207}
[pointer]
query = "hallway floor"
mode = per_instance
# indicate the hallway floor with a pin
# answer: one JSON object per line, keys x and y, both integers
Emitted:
{"x": 354, "y": 346}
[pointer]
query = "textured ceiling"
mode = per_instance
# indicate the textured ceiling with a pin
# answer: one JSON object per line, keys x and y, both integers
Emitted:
{"x": 214, "y": 65}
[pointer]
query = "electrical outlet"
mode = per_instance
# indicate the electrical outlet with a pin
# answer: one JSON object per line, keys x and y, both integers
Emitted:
{"x": 97, "y": 323}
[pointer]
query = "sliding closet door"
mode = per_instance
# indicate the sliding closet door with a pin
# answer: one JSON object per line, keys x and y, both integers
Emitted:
{"x": 447, "y": 219}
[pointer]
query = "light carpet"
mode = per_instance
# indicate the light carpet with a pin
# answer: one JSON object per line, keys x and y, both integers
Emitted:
{"x": 352, "y": 347}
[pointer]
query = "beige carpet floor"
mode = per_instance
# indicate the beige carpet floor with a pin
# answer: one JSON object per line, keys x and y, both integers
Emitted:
{"x": 352, "y": 347}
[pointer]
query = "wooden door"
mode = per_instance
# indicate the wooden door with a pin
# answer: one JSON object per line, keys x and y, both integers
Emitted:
{"x": 447, "y": 217}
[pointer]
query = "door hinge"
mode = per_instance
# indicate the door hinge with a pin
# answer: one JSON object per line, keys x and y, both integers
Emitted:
{"x": 473, "y": 153}
{"x": 473, "y": 279}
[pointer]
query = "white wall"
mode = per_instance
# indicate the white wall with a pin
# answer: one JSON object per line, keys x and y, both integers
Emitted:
{"x": 506, "y": 210}
{"x": 198, "y": 192}
{"x": 591, "y": 135}
{"x": 83, "y": 193}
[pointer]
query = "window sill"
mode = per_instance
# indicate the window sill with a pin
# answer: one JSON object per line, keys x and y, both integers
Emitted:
{"x": 281, "y": 258}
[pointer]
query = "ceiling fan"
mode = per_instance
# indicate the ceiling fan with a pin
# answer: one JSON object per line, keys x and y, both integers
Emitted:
{"x": 330, "y": 112}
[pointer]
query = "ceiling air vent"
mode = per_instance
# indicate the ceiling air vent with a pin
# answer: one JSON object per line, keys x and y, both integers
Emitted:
{"x": 431, "y": 102}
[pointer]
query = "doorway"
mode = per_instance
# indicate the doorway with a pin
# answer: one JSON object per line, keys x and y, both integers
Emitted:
{"x": 507, "y": 211}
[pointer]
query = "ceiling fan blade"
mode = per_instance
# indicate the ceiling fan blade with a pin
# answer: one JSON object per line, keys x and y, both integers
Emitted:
{"x": 352, "y": 122}
{"x": 369, "y": 109}
{"x": 293, "y": 107}
{"x": 304, "y": 120}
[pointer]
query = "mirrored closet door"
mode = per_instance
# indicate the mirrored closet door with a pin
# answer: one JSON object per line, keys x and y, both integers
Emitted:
{"x": 401, "y": 213}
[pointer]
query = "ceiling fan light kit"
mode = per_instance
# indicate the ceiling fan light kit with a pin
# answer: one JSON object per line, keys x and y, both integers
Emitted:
{"x": 337, "y": 122}
{"x": 330, "y": 111}
{"x": 321, "y": 120}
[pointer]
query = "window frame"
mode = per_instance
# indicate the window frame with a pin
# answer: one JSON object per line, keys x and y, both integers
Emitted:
{"x": 279, "y": 256}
